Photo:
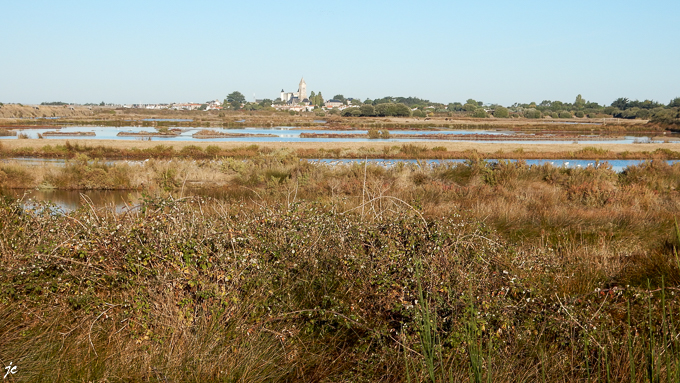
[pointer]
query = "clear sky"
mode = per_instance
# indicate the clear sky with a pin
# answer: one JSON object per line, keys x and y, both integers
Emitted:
{"x": 444, "y": 51}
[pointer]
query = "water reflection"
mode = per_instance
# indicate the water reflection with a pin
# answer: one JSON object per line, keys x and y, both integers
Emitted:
{"x": 292, "y": 134}
{"x": 69, "y": 200}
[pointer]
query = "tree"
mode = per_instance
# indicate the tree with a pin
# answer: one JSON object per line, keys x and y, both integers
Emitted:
{"x": 579, "y": 103}
{"x": 455, "y": 107}
{"x": 621, "y": 103}
{"x": 235, "y": 99}
{"x": 266, "y": 103}
{"x": 367, "y": 110}
{"x": 339, "y": 97}
{"x": 383, "y": 110}
{"x": 501, "y": 112}
{"x": 479, "y": 113}
{"x": 401, "y": 110}
{"x": 468, "y": 107}
{"x": 675, "y": 103}
{"x": 532, "y": 113}
{"x": 236, "y": 96}
{"x": 102, "y": 104}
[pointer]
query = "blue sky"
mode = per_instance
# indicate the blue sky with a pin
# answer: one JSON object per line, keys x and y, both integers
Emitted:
{"x": 444, "y": 51}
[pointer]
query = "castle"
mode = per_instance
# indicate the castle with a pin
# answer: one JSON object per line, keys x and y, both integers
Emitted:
{"x": 296, "y": 97}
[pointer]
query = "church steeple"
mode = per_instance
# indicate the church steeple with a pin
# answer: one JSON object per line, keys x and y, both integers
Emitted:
{"x": 302, "y": 90}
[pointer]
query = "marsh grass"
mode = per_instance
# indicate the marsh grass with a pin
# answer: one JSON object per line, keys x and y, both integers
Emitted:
{"x": 302, "y": 272}
{"x": 404, "y": 151}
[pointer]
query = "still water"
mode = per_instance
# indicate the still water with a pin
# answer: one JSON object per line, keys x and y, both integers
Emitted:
{"x": 292, "y": 134}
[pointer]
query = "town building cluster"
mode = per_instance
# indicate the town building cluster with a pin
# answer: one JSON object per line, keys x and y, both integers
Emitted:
{"x": 288, "y": 101}
{"x": 208, "y": 105}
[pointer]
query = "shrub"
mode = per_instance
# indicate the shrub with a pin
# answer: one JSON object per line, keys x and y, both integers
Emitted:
{"x": 15, "y": 177}
{"x": 565, "y": 114}
{"x": 212, "y": 150}
{"x": 501, "y": 112}
{"x": 191, "y": 151}
{"x": 579, "y": 114}
{"x": 532, "y": 113}
{"x": 480, "y": 113}
{"x": 373, "y": 134}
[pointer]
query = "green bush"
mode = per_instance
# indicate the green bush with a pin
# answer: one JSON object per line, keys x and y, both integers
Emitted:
{"x": 565, "y": 114}
{"x": 532, "y": 113}
{"x": 479, "y": 113}
{"x": 579, "y": 114}
{"x": 501, "y": 112}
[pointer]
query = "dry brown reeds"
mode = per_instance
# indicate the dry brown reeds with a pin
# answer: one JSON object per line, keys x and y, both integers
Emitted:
{"x": 298, "y": 271}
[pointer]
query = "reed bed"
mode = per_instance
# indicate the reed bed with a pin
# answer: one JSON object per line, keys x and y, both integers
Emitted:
{"x": 293, "y": 271}
{"x": 352, "y": 151}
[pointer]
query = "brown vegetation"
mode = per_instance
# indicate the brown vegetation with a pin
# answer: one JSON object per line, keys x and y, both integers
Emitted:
{"x": 303, "y": 272}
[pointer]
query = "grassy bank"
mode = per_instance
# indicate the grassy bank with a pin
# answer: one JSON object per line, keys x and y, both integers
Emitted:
{"x": 300, "y": 272}
{"x": 433, "y": 150}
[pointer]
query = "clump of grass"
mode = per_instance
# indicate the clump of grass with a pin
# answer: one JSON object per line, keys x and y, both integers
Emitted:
{"x": 15, "y": 177}
{"x": 85, "y": 174}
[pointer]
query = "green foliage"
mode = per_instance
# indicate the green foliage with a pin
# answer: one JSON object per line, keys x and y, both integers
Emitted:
{"x": 532, "y": 113}
{"x": 234, "y": 100}
{"x": 675, "y": 103}
{"x": 501, "y": 112}
{"x": 579, "y": 103}
{"x": 367, "y": 110}
{"x": 579, "y": 114}
{"x": 351, "y": 112}
{"x": 565, "y": 114}
{"x": 55, "y": 103}
{"x": 479, "y": 113}
{"x": 455, "y": 107}
{"x": 397, "y": 110}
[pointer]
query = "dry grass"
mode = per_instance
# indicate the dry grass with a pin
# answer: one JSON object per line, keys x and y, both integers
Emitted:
{"x": 112, "y": 149}
{"x": 302, "y": 272}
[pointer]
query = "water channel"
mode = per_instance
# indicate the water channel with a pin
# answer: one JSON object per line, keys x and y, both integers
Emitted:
{"x": 292, "y": 134}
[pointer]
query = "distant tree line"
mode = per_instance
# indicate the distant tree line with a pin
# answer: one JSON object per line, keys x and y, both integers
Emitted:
{"x": 54, "y": 103}
{"x": 417, "y": 107}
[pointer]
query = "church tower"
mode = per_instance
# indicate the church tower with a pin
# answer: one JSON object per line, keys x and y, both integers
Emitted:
{"x": 302, "y": 90}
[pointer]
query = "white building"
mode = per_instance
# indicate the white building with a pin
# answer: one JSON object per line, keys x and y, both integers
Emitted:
{"x": 296, "y": 97}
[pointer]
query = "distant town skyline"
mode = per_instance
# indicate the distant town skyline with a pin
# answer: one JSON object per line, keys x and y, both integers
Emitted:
{"x": 498, "y": 52}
